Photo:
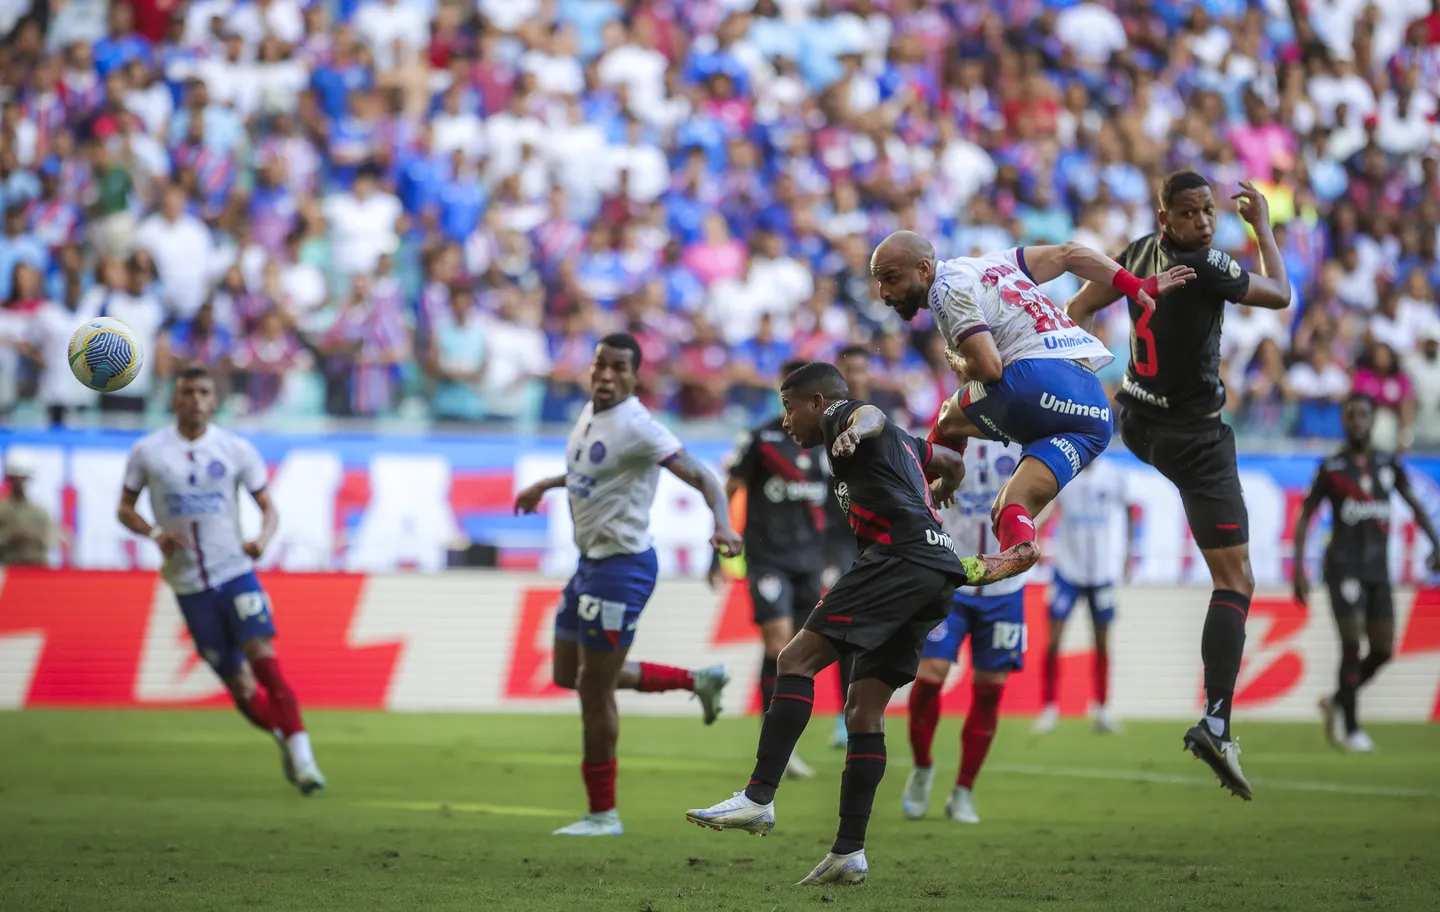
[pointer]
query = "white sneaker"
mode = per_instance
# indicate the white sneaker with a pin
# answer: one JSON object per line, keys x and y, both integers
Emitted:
{"x": 737, "y": 813}
{"x": 960, "y": 806}
{"x": 709, "y": 686}
{"x": 1357, "y": 742}
{"x": 309, "y": 779}
{"x": 839, "y": 869}
{"x": 798, "y": 769}
{"x": 1106, "y": 723}
{"x": 287, "y": 762}
{"x": 1047, "y": 720}
{"x": 916, "y": 800}
{"x": 840, "y": 737}
{"x": 1223, "y": 757}
{"x": 605, "y": 823}
{"x": 1333, "y": 718}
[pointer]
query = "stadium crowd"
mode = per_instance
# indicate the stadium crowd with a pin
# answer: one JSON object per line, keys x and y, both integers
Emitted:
{"x": 364, "y": 207}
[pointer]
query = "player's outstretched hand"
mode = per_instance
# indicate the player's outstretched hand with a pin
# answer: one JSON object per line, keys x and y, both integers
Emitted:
{"x": 1253, "y": 208}
{"x": 1302, "y": 589}
{"x": 726, "y": 543}
{"x": 942, "y": 491}
{"x": 845, "y": 442}
{"x": 170, "y": 543}
{"x": 528, "y": 500}
{"x": 1172, "y": 278}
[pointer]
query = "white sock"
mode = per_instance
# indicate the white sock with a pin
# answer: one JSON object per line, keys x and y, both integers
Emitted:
{"x": 299, "y": 744}
{"x": 1217, "y": 726}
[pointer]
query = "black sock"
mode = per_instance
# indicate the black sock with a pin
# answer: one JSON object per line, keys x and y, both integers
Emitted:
{"x": 767, "y": 681}
{"x": 864, "y": 768}
{"x": 843, "y": 667}
{"x": 780, "y": 731}
{"x": 1222, "y": 643}
{"x": 1349, "y": 682}
{"x": 1373, "y": 662}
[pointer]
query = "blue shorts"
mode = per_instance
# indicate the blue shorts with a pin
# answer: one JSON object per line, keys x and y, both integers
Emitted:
{"x": 603, "y": 600}
{"x": 222, "y": 619}
{"x": 1100, "y": 599}
{"x": 1055, "y": 409}
{"x": 995, "y": 625}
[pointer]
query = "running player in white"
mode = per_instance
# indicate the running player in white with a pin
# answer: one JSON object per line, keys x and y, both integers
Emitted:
{"x": 992, "y": 616}
{"x": 1092, "y": 551}
{"x": 613, "y": 461}
{"x": 194, "y": 471}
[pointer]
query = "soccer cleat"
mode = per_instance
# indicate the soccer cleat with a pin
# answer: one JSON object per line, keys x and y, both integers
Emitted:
{"x": 916, "y": 799}
{"x": 287, "y": 762}
{"x": 984, "y": 569}
{"x": 846, "y": 870}
{"x": 1334, "y": 722}
{"x": 796, "y": 768}
{"x": 709, "y": 687}
{"x": 1221, "y": 756}
{"x": 1357, "y": 742}
{"x": 737, "y": 813}
{"x": 1047, "y": 720}
{"x": 960, "y": 806}
{"x": 840, "y": 737}
{"x": 1106, "y": 723}
{"x": 309, "y": 779}
{"x": 605, "y": 823}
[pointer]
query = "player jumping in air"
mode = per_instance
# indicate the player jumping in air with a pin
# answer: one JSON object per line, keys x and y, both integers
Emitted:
{"x": 1092, "y": 555}
{"x": 880, "y": 611}
{"x": 993, "y": 617}
{"x": 194, "y": 471}
{"x": 613, "y": 461}
{"x": 1029, "y": 368}
{"x": 1358, "y": 482}
{"x": 785, "y": 494}
{"x": 1170, "y": 405}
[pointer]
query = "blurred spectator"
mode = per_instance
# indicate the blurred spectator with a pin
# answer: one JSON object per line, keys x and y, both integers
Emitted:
{"x": 27, "y": 533}
{"x": 1423, "y": 367}
{"x": 457, "y": 360}
{"x": 1317, "y": 386}
{"x": 518, "y": 360}
{"x": 1378, "y": 374}
{"x": 268, "y": 361}
{"x": 182, "y": 248}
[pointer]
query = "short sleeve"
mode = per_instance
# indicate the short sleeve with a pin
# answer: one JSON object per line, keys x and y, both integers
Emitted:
{"x": 652, "y": 442}
{"x": 835, "y": 418}
{"x": 957, "y": 310}
{"x": 923, "y": 450}
{"x": 1221, "y": 275}
{"x": 253, "y": 474}
{"x": 743, "y": 465}
{"x": 136, "y": 477}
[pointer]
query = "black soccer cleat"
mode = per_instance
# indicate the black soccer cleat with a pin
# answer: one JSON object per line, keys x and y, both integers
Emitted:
{"x": 1222, "y": 756}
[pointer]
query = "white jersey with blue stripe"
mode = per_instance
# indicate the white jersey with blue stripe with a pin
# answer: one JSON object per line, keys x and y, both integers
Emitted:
{"x": 988, "y": 465}
{"x": 612, "y": 469}
{"x": 1089, "y": 547}
{"x": 995, "y": 293}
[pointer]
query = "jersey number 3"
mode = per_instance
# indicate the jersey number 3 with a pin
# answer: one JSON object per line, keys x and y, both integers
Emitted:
{"x": 1028, "y": 297}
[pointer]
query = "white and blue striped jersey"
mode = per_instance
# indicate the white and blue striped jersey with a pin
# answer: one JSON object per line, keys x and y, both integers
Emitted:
{"x": 988, "y": 465}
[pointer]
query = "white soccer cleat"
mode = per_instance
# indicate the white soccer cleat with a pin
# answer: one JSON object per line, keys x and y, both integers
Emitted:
{"x": 916, "y": 800}
{"x": 796, "y": 768}
{"x": 287, "y": 762}
{"x": 737, "y": 813}
{"x": 605, "y": 823}
{"x": 1223, "y": 757}
{"x": 1106, "y": 723}
{"x": 846, "y": 870}
{"x": 1333, "y": 718}
{"x": 709, "y": 687}
{"x": 840, "y": 737}
{"x": 309, "y": 779}
{"x": 960, "y": 806}
{"x": 1047, "y": 720}
{"x": 1357, "y": 742}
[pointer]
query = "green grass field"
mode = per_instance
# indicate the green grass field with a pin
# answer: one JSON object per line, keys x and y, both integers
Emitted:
{"x": 187, "y": 811}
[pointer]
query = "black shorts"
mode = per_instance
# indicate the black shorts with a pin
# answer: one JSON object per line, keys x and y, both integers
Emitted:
{"x": 881, "y": 610}
{"x": 1350, "y": 596}
{"x": 1199, "y": 459}
{"x": 840, "y": 553}
{"x": 776, "y": 593}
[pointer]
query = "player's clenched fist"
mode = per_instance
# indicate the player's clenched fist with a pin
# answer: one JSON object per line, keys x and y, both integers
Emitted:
{"x": 528, "y": 500}
{"x": 726, "y": 543}
{"x": 170, "y": 543}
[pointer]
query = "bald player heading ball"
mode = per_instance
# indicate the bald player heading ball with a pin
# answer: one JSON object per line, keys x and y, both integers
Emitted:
{"x": 1170, "y": 417}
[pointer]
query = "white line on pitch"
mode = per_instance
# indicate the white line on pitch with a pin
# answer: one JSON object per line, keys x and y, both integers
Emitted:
{"x": 1288, "y": 785}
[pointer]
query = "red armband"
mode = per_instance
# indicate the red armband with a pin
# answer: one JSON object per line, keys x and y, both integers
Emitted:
{"x": 939, "y": 439}
{"x": 1130, "y": 285}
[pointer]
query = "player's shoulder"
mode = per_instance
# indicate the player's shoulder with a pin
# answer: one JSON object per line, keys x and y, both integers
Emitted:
{"x": 1338, "y": 462}
{"x": 154, "y": 441}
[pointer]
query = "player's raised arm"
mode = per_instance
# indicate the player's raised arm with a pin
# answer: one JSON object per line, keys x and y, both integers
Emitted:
{"x": 684, "y": 467}
{"x": 865, "y": 422}
{"x": 1269, "y": 288}
{"x": 1300, "y": 582}
{"x": 1422, "y": 516}
{"x": 944, "y": 469}
{"x": 1044, "y": 264}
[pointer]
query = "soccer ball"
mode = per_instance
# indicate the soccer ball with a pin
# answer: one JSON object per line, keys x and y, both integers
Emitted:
{"x": 105, "y": 354}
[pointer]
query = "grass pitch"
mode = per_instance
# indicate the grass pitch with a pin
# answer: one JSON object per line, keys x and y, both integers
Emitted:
{"x": 187, "y": 811}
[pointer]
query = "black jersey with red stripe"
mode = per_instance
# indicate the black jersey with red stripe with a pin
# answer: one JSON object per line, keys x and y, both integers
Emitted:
{"x": 882, "y": 489}
{"x": 1358, "y": 489}
{"x": 785, "y": 496}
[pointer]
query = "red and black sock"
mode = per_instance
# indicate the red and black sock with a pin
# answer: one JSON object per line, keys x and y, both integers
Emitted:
{"x": 924, "y": 719}
{"x": 780, "y": 731}
{"x": 768, "y": 673}
{"x": 284, "y": 707}
{"x": 1349, "y": 683}
{"x": 1374, "y": 661}
{"x": 257, "y": 711}
{"x": 660, "y": 678}
{"x": 600, "y": 784}
{"x": 1222, "y": 644}
{"x": 1014, "y": 526}
{"x": 864, "y": 768}
{"x": 979, "y": 731}
{"x": 1050, "y": 678}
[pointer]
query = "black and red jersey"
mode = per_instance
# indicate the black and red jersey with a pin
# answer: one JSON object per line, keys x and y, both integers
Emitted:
{"x": 785, "y": 496}
{"x": 882, "y": 489}
{"x": 1358, "y": 489}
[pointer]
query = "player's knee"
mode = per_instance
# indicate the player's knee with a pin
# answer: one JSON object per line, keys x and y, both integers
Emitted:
{"x": 594, "y": 682}
{"x": 932, "y": 671}
{"x": 563, "y": 677}
{"x": 863, "y": 720}
{"x": 798, "y": 658}
{"x": 258, "y": 648}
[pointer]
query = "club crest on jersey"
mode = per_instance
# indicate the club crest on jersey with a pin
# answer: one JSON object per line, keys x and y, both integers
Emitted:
{"x": 597, "y": 452}
{"x": 216, "y": 469}
{"x": 1005, "y": 465}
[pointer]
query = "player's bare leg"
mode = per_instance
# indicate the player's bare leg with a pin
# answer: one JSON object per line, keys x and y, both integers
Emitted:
{"x": 280, "y": 710}
{"x": 1222, "y": 643}
{"x": 1105, "y": 721}
{"x": 596, "y": 676}
{"x": 924, "y": 720}
{"x": 775, "y": 634}
{"x": 753, "y": 810}
{"x": 707, "y": 684}
{"x": 976, "y": 737}
{"x": 1050, "y": 681}
{"x": 864, "y": 768}
{"x": 1028, "y": 491}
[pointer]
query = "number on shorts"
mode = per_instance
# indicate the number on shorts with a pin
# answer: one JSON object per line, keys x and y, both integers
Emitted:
{"x": 1143, "y": 349}
{"x": 1032, "y": 300}
{"x": 1009, "y": 637}
{"x": 251, "y": 604}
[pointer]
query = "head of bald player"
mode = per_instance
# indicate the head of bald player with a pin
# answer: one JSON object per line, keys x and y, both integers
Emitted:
{"x": 903, "y": 267}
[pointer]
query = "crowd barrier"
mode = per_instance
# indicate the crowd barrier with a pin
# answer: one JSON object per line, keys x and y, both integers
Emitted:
{"x": 481, "y": 641}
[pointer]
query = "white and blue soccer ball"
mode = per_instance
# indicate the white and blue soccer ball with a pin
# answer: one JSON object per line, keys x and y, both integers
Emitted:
{"x": 105, "y": 354}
